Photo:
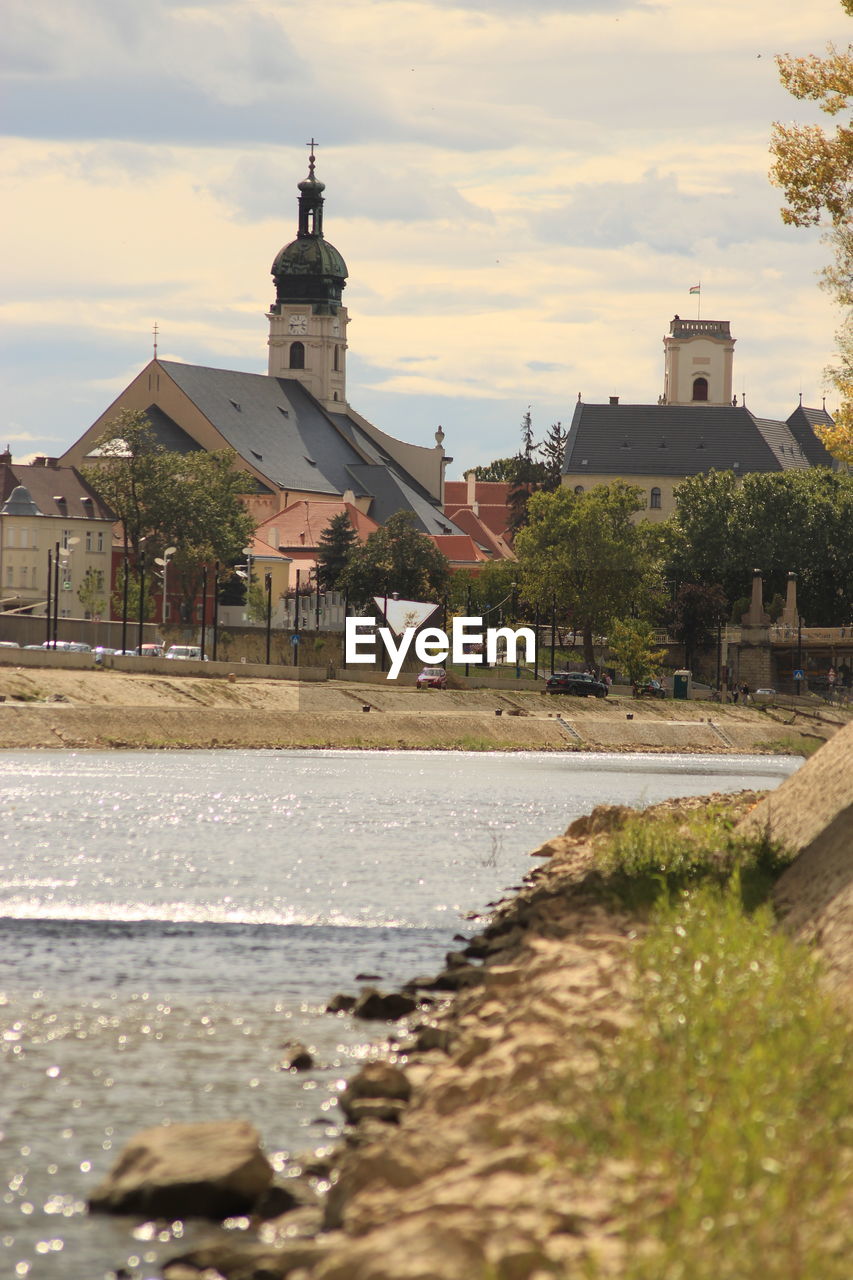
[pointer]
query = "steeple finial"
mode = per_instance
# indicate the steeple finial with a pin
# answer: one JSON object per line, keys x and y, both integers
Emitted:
{"x": 311, "y": 160}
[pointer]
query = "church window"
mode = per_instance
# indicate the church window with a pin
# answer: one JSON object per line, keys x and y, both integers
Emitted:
{"x": 700, "y": 388}
{"x": 297, "y": 355}
{"x": 654, "y": 499}
{"x": 578, "y": 488}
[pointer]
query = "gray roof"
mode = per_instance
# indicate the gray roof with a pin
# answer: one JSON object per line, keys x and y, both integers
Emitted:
{"x": 20, "y": 503}
{"x": 801, "y": 424}
{"x": 677, "y": 440}
{"x": 278, "y": 427}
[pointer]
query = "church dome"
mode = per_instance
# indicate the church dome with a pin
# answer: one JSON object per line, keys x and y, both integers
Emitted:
{"x": 309, "y": 270}
{"x": 309, "y": 255}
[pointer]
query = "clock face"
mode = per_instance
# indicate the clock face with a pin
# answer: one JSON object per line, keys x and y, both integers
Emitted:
{"x": 298, "y": 324}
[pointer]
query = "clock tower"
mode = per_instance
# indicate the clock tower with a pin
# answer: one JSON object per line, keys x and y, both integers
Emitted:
{"x": 307, "y": 320}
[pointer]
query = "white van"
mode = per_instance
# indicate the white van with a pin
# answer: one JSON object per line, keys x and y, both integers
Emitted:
{"x": 189, "y": 652}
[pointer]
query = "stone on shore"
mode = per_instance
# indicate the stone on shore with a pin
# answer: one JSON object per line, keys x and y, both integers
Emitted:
{"x": 213, "y": 1170}
{"x": 812, "y": 815}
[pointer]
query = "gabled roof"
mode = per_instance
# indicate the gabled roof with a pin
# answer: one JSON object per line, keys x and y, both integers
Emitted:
{"x": 302, "y": 523}
{"x": 459, "y": 549}
{"x": 476, "y": 527}
{"x": 801, "y": 424}
{"x": 677, "y": 440}
{"x": 56, "y": 491}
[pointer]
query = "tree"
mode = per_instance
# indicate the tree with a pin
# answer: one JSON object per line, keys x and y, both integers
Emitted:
{"x": 92, "y": 593}
{"x": 631, "y": 645}
{"x": 814, "y": 169}
{"x": 779, "y": 522}
{"x": 694, "y": 614}
{"x": 586, "y": 552}
{"x": 336, "y": 544}
{"x": 396, "y": 558}
{"x": 553, "y": 451}
{"x": 162, "y": 498}
{"x": 501, "y": 469}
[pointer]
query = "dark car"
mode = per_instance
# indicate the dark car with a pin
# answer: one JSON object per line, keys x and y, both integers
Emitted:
{"x": 649, "y": 689}
{"x": 576, "y": 682}
{"x": 432, "y": 678}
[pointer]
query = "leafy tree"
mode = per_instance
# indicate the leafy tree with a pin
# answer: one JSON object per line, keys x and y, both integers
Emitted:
{"x": 502, "y": 469}
{"x": 492, "y": 591}
{"x": 694, "y": 614}
{"x": 191, "y": 501}
{"x": 396, "y": 558}
{"x": 779, "y": 522}
{"x": 814, "y": 169}
{"x": 92, "y": 593}
{"x": 586, "y": 551}
{"x": 336, "y": 544}
{"x": 631, "y": 644}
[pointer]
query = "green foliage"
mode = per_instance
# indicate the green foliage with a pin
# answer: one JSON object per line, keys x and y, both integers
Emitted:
{"x": 585, "y": 550}
{"x": 501, "y": 469}
{"x": 730, "y": 1099}
{"x": 92, "y": 593}
{"x": 395, "y": 558}
{"x": 654, "y": 857}
{"x": 491, "y": 592}
{"x": 190, "y": 501}
{"x": 631, "y": 644}
{"x": 333, "y": 552}
{"x": 695, "y": 614}
{"x": 781, "y": 522}
{"x": 256, "y": 602}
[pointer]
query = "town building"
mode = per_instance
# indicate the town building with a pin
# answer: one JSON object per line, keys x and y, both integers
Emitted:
{"x": 49, "y": 515}
{"x": 296, "y": 437}
{"x": 695, "y": 427}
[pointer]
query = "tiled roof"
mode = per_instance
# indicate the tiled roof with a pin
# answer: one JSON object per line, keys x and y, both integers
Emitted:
{"x": 302, "y": 523}
{"x": 677, "y": 440}
{"x": 801, "y": 424}
{"x": 47, "y": 484}
{"x": 459, "y": 548}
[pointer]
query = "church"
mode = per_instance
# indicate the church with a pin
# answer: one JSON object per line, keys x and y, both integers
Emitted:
{"x": 297, "y": 439}
{"x": 696, "y": 426}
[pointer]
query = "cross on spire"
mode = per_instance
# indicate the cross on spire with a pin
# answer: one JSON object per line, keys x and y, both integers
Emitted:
{"x": 311, "y": 161}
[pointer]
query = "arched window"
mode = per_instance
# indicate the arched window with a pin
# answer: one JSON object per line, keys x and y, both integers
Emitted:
{"x": 654, "y": 499}
{"x": 578, "y": 488}
{"x": 297, "y": 355}
{"x": 700, "y": 388}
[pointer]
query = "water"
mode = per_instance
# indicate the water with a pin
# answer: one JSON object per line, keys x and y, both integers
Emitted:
{"x": 170, "y": 921}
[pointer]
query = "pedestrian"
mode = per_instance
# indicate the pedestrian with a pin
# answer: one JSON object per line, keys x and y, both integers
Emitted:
{"x": 744, "y": 693}
{"x": 735, "y": 693}
{"x": 831, "y": 678}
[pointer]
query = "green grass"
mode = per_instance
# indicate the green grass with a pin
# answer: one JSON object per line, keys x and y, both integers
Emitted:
{"x": 657, "y": 857}
{"x": 794, "y": 744}
{"x": 731, "y": 1099}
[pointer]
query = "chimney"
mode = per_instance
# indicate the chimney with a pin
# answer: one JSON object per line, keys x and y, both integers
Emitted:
{"x": 471, "y": 494}
{"x": 614, "y": 399}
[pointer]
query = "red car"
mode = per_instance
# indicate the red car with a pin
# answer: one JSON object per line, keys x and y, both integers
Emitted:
{"x": 432, "y": 678}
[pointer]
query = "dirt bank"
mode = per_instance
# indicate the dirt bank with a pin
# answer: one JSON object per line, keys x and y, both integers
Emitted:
{"x": 53, "y": 707}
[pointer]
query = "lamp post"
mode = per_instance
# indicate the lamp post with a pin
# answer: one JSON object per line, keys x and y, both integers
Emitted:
{"x": 125, "y": 570}
{"x": 141, "y": 632}
{"x": 215, "y": 608}
{"x": 163, "y": 562}
{"x": 49, "y": 594}
{"x": 203, "y": 609}
{"x": 63, "y": 561}
{"x": 268, "y": 585}
{"x": 247, "y": 552}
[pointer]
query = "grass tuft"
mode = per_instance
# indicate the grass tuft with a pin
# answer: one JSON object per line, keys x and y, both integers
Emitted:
{"x": 650, "y": 858}
{"x": 731, "y": 1098}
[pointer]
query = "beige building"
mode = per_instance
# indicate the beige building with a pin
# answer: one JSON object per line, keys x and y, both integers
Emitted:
{"x": 48, "y": 512}
{"x": 695, "y": 427}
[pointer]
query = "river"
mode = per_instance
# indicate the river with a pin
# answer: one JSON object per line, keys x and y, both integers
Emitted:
{"x": 170, "y": 921}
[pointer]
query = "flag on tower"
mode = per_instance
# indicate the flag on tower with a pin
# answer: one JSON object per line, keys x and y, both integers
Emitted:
{"x": 696, "y": 288}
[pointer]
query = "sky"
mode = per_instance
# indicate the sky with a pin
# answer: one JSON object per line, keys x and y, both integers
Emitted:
{"x": 523, "y": 193}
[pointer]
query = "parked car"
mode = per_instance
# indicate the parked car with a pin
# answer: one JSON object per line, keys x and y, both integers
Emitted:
{"x": 153, "y": 650}
{"x": 578, "y": 683}
{"x": 63, "y": 646}
{"x": 649, "y": 689}
{"x": 186, "y": 652}
{"x": 432, "y": 678}
{"x": 9, "y": 644}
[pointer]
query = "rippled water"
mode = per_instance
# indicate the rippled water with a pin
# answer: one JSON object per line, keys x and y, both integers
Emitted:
{"x": 169, "y": 921}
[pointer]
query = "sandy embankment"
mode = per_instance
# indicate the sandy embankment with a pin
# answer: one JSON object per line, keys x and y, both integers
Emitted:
{"x": 49, "y": 707}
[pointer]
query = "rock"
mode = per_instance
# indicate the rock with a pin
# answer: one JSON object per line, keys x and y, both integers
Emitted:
{"x": 376, "y": 1080}
{"x": 388, "y": 1110}
{"x": 243, "y": 1261}
{"x": 377, "y": 1005}
{"x": 812, "y": 815}
{"x": 604, "y": 817}
{"x": 286, "y": 1197}
{"x": 213, "y": 1170}
{"x": 457, "y": 978}
{"x": 341, "y": 1003}
{"x": 297, "y": 1058}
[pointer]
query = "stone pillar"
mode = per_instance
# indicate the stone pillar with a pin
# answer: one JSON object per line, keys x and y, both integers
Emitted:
{"x": 754, "y": 654}
{"x": 791, "y": 614}
{"x": 755, "y": 615}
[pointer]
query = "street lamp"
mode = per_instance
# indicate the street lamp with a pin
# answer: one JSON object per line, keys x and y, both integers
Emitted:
{"x": 163, "y": 562}
{"x": 247, "y": 552}
{"x": 63, "y": 561}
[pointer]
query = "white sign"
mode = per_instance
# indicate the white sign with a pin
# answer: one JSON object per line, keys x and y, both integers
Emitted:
{"x": 468, "y": 643}
{"x": 400, "y": 615}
